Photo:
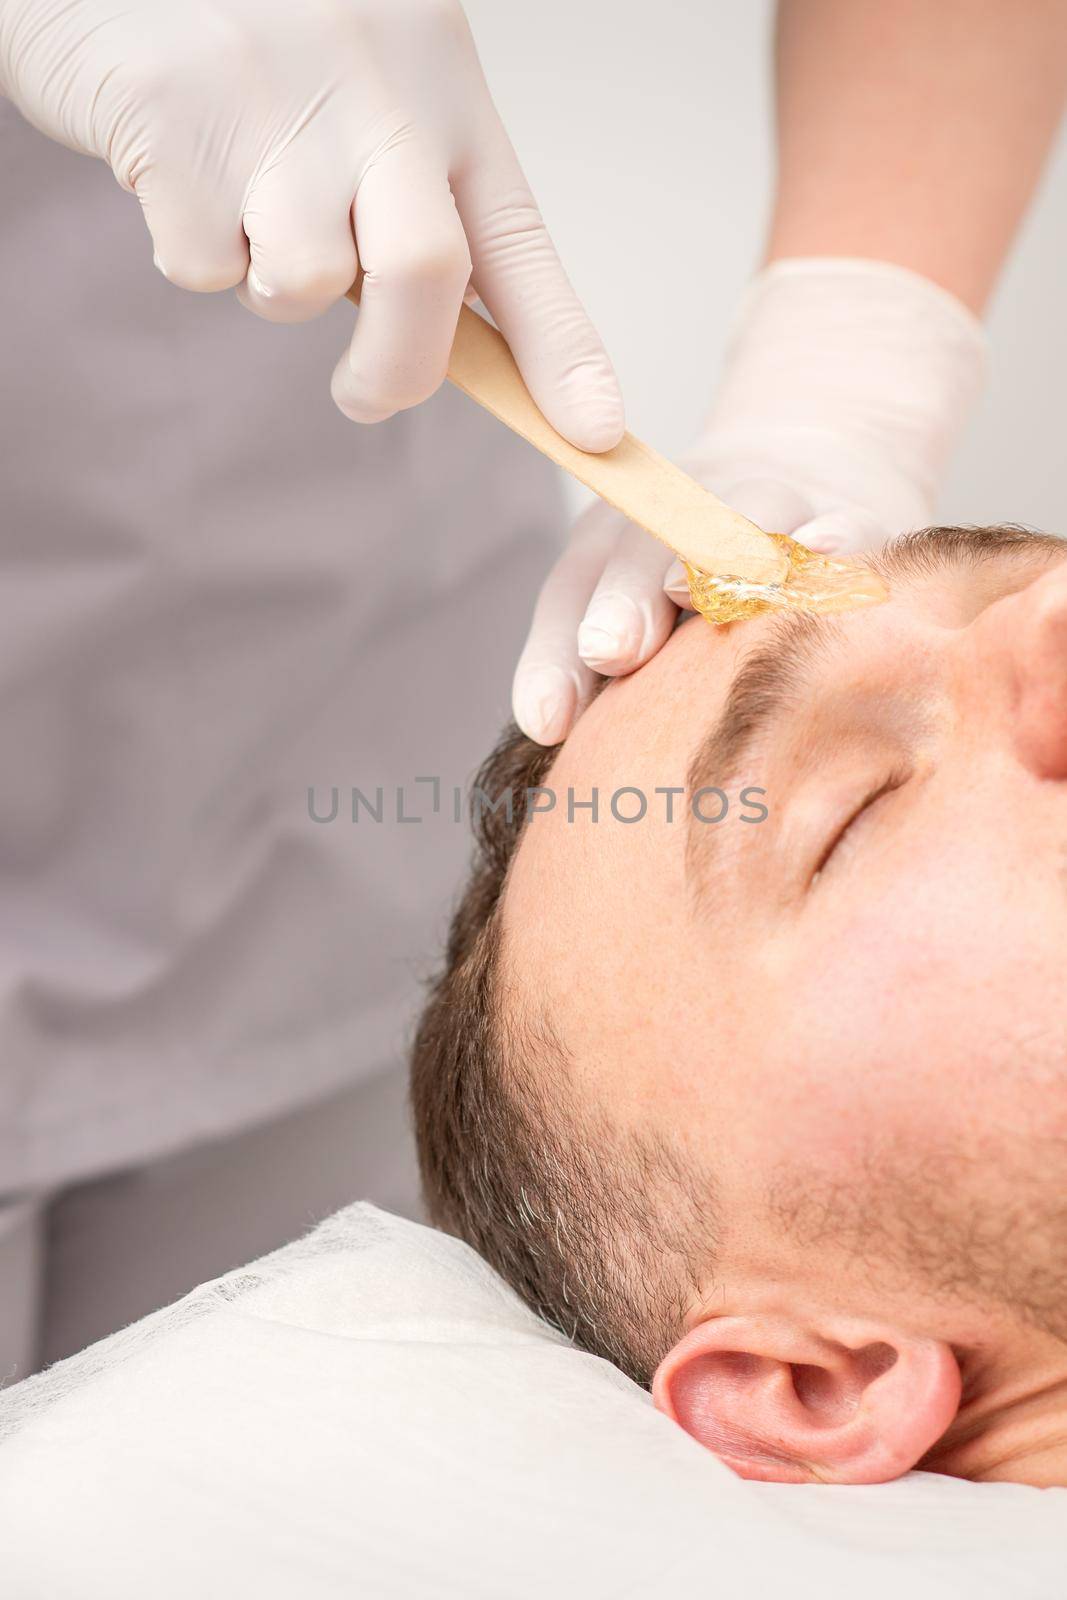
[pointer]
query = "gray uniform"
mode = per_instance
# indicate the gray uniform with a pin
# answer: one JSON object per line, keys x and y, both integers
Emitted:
{"x": 216, "y": 593}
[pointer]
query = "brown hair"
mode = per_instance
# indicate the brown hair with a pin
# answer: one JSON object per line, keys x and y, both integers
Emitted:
{"x": 601, "y": 1230}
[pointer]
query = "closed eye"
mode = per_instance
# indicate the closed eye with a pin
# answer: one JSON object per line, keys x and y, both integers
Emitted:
{"x": 895, "y": 780}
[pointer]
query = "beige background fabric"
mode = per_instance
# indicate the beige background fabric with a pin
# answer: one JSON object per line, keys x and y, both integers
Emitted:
{"x": 217, "y": 592}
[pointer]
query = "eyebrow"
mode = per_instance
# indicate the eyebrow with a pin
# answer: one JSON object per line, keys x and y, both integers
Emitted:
{"x": 767, "y": 687}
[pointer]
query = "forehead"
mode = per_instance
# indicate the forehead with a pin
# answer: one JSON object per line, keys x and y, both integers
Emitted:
{"x": 592, "y": 905}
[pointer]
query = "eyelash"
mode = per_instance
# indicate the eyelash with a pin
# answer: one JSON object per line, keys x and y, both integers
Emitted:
{"x": 895, "y": 780}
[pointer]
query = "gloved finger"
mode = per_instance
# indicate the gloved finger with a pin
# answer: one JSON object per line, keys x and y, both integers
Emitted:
{"x": 629, "y": 617}
{"x": 520, "y": 278}
{"x": 198, "y": 240}
{"x": 768, "y": 502}
{"x": 552, "y": 684}
{"x": 300, "y": 239}
{"x": 843, "y": 532}
{"x": 416, "y": 268}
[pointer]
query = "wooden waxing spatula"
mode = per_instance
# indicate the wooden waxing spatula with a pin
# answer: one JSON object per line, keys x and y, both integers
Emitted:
{"x": 633, "y": 478}
{"x": 735, "y": 570}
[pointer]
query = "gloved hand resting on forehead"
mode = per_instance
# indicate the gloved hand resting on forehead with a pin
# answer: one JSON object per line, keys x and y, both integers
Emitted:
{"x": 748, "y": 1066}
{"x": 843, "y": 388}
{"x": 272, "y": 144}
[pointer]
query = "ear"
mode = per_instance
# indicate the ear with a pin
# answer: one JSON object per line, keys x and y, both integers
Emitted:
{"x": 782, "y": 1403}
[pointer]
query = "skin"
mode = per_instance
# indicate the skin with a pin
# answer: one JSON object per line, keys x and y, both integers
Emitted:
{"x": 912, "y": 132}
{"x": 869, "y": 1060}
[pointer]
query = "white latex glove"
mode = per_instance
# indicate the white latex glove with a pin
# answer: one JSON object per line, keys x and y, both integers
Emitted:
{"x": 267, "y": 140}
{"x": 845, "y": 385}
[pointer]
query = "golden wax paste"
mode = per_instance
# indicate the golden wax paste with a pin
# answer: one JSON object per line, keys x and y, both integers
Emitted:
{"x": 813, "y": 583}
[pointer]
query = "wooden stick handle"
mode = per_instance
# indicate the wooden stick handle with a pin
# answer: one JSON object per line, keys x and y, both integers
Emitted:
{"x": 636, "y": 480}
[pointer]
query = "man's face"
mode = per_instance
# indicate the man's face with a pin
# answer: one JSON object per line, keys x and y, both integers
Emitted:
{"x": 852, "y": 1012}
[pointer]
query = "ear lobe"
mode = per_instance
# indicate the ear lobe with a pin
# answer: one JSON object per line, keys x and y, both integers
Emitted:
{"x": 782, "y": 1403}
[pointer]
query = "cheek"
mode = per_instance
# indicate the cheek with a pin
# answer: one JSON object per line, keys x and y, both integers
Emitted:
{"x": 931, "y": 1017}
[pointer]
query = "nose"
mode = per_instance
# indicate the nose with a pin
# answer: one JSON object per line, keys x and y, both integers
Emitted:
{"x": 1028, "y": 632}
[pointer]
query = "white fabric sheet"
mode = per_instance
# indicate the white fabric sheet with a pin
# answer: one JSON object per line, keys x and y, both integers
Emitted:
{"x": 370, "y": 1412}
